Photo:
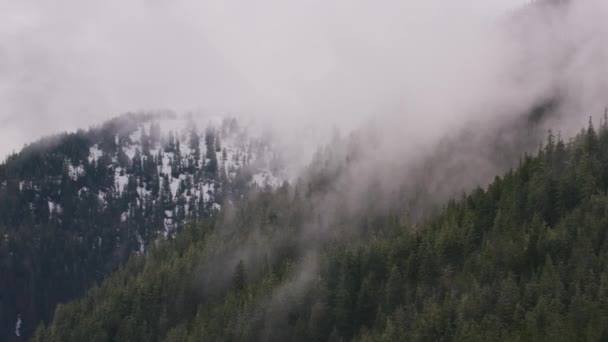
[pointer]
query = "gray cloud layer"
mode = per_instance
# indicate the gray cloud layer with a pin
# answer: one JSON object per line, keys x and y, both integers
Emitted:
{"x": 414, "y": 64}
{"x": 67, "y": 64}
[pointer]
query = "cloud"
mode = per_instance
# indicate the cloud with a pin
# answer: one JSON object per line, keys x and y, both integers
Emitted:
{"x": 67, "y": 64}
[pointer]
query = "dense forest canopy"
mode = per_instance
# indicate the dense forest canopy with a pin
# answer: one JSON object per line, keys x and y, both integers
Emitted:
{"x": 75, "y": 206}
{"x": 523, "y": 259}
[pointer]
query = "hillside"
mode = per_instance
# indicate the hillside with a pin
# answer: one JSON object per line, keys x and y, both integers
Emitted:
{"x": 523, "y": 259}
{"x": 74, "y": 207}
{"x": 303, "y": 171}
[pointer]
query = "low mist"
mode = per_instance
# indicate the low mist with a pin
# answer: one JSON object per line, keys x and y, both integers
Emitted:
{"x": 424, "y": 65}
{"x": 410, "y": 76}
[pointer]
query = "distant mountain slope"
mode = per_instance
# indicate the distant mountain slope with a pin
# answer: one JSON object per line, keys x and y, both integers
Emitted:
{"x": 526, "y": 259}
{"x": 73, "y": 207}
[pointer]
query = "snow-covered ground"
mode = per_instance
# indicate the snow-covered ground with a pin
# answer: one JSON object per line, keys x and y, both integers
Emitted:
{"x": 236, "y": 149}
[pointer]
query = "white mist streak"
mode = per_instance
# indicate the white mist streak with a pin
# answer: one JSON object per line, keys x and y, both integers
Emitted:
{"x": 67, "y": 64}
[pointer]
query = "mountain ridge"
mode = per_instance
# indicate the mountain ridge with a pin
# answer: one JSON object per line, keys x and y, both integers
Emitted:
{"x": 521, "y": 259}
{"x": 102, "y": 193}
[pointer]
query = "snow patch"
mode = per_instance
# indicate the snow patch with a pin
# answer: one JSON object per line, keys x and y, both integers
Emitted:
{"x": 75, "y": 171}
{"x": 18, "y": 326}
{"x": 265, "y": 178}
{"x": 102, "y": 197}
{"x": 174, "y": 184}
{"x": 142, "y": 244}
{"x": 166, "y": 168}
{"x": 207, "y": 191}
{"x": 54, "y": 207}
{"x": 94, "y": 153}
{"x": 82, "y": 190}
{"x": 130, "y": 151}
{"x": 136, "y": 136}
{"x": 121, "y": 180}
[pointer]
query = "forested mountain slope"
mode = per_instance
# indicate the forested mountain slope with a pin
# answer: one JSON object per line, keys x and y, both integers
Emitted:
{"x": 73, "y": 207}
{"x": 524, "y": 259}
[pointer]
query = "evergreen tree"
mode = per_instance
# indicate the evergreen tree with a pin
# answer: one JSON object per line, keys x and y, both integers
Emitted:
{"x": 239, "y": 279}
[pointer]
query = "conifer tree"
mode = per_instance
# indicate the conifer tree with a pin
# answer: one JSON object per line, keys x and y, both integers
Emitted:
{"x": 239, "y": 278}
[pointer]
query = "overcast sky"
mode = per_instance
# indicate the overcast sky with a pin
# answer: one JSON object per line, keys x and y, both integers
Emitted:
{"x": 71, "y": 63}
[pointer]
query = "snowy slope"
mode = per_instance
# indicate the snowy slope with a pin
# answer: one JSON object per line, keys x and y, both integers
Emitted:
{"x": 180, "y": 148}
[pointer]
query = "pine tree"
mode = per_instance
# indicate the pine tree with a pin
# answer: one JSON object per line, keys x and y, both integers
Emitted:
{"x": 239, "y": 278}
{"x": 166, "y": 197}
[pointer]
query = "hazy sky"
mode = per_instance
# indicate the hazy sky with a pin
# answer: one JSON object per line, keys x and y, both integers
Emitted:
{"x": 71, "y": 63}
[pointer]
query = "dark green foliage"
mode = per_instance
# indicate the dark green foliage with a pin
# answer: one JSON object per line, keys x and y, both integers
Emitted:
{"x": 239, "y": 278}
{"x": 525, "y": 259}
{"x": 65, "y": 223}
{"x": 211, "y": 163}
